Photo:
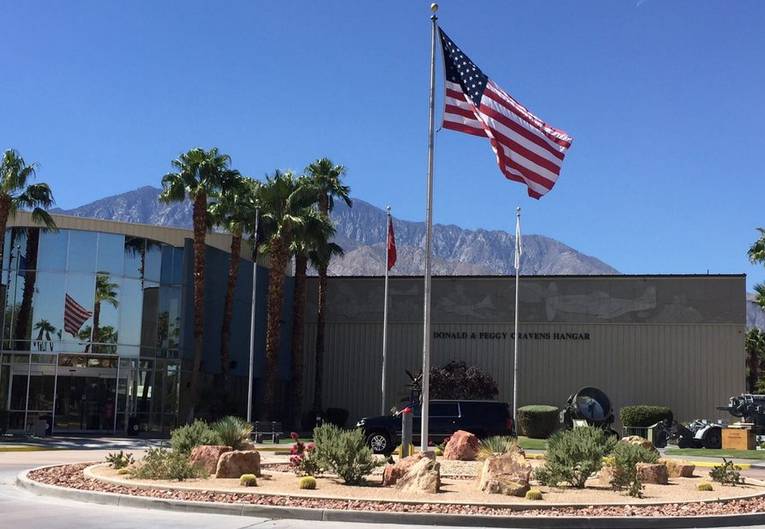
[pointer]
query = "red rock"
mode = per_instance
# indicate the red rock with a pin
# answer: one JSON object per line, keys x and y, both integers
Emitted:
{"x": 237, "y": 462}
{"x": 392, "y": 473}
{"x": 508, "y": 473}
{"x": 206, "y": 456}
{"x": 423, "y": 476}
{"x": 652, "y": 473}
{"x": 462, "y": 446}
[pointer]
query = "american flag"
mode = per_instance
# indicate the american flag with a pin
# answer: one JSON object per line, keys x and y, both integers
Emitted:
{"x": 74, "y": 315}
{"x": 528, "y": 150}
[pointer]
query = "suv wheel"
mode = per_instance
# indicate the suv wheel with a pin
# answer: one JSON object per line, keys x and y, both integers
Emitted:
{"x": 379, "y": 442}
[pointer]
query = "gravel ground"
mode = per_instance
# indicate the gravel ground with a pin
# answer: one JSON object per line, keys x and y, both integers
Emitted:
{"x": 72, "y": 476}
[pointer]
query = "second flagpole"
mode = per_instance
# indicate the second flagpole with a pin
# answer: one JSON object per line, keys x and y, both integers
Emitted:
{"x": 385, "y": 313}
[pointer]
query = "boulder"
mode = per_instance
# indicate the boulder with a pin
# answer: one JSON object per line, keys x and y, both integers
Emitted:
{"x": 606, "y": 475}
{"x": 206, "y": 456}
{"x": 652, "y": 473}
{"x": 237, "y": 462}
{"x": 462, "y": 446}
{"x": 639, "y": 441}
{"x": 508, "y": 474}
{"x": 678, "y": 469}
{"x": 423, "y": 476}
{"x": 392, "y": 473}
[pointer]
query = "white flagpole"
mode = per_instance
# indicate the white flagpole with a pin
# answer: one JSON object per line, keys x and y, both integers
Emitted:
{"x": 518, "y": 251}
{"x": 252, "y": 315}
{"x": 385, "y": 314}
{"x": 429, "y": 233}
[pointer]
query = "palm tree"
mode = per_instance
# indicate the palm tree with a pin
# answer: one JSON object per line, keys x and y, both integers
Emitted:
{"x": 756, "y": 254}
{"x": 754, "y": 345}
{"x": 327, "y": 177}
{"x": 235, "y": 210}
{"x": 44, "y": 339}
{"x": 199, "y": 174}
{"x": 106, "y": 292}
{"x": 285, "y": 208}
{"x": 308, "y": 240}
{"x": 15, "y": 194}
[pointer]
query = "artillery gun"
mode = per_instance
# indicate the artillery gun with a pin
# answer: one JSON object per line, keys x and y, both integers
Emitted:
{"x": 589, "y": 407}
{"x": 750, "y": 408}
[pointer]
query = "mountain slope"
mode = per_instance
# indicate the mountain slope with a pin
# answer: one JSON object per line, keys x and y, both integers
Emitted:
{"x": 361, "y": 231}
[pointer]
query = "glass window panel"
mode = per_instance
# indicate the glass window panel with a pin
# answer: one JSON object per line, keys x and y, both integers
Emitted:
{"x": 48, "y": 313}
{"x": 169, "y": 320}
{"x": 13, "y": 297}
{"x": 130, "y": 310}
{"x": 110, "y": 257}
{"x": 128, "y": 351}
{"x": 81, "y": 289}
{"x": 153, "y": 264}
{"x": 53, "y": 250}
{"x": 134, "y": 256}
{"x": 15, "y": 246}
{"x": 177, "y": 266}
{"x": 19, "y": 390}
{"x": 21, "y": 314}
{"x": 105, "y": 309}
{"x": 29, "y": 251}
{"x": 41, "y": 392}
{"x": 150, "y": 315}
{"x": 82, "y": 251}
{"x": 166, "y": 277}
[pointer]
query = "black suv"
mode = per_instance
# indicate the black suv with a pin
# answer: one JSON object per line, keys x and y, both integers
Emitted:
{"x": 484, "y": 418}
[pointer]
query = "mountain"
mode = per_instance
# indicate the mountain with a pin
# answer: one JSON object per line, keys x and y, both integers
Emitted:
{"x": 361, "y": 231}
{"x": 755, "y": 315}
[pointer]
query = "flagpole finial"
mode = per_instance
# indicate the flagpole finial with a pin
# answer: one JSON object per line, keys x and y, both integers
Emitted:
{"x": 388, "y": 209}
{"x": 434, "y": 7}
{"x": 518, "y": 211}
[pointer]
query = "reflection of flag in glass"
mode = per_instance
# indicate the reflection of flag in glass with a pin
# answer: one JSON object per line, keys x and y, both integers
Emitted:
{"x": 74, "y": 316}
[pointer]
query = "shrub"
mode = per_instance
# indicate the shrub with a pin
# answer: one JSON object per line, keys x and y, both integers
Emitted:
{"x": 123, "y": 471}
{"x": 457, "y": 380}
{"x": 534, "y": 494}
{"x": 184, "y": 439}
{"x": 643, "y": 416}
{"x": 248, "y": 480}
{"x": 574, "y": 455}
{"x": 160, "y": 463}
{"x": 625, "y": 458}
{"x": 343, "y": 452}
{"x": 538, "y": 421}
{"x": 118, "y": 460}
{"x": 705, "y": 486}
{"x": 303, "y": 458}
{"x": 497, "y": 444}
{"x": 307, "y": 483}
{"x": 727, "y": 473}
{"x": 233, "y": 431}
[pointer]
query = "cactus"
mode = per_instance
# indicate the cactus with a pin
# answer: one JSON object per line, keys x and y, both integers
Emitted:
{"x": 248, "y": 480}
{"x": 534, "y": 494}
{"x": 307, "y": 482}
{"x": 705, "y": 486}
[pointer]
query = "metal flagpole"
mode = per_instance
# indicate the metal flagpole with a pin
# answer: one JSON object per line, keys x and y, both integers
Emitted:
{"x": 385, "y": 313}
{"x": 515, "y": 334}
{"x": 429, "y": 233}
{"x": 252, "y": 315}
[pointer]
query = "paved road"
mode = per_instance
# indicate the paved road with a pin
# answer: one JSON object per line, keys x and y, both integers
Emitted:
{"x": 20, "y": 509}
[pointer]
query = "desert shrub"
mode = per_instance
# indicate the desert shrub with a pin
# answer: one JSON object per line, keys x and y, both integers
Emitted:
{"x": 118, "y": 460}
{"x": 497, "y": 444}
{"x": 704, "y": 486}
{"x": 643, "y": 416}
{"x": 160, "y": 463}
{"x": 303, "y": 458}
{"x": 625, "y": 458}
{"x": 574, "y": 455}
{"x": 123, "y": 471}
{"x": 457, "y": 380}
{"x": 727, "y": 473}
{"x": 184, "y": 439}
{"x": 233, "y": 431}
{"x": 307, "y": 483}
{"x": 534, "y": 494}
{"x": 248, "y": 480}
{"x": 538, "y": 421}
{"x": 343, "y": 452}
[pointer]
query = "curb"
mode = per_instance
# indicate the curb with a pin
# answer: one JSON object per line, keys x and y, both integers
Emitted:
{"x": 375, "y": 517}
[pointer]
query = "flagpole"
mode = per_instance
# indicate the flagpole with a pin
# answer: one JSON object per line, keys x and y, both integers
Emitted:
{"x": 429, "y": 233}
{"x": 515, "y": 334}
{"x": 252, "y": 315}
{"x": 385, "y": 313}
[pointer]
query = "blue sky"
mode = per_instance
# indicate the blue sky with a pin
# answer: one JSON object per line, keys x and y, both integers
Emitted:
{"x": 664, "y": 100}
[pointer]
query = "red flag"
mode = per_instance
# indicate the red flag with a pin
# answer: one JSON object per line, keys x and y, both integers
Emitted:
{"x": 391, "y": 244}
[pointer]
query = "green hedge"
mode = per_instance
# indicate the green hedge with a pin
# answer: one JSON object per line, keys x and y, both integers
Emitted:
{"x": 643, "y": 416}
{"x": 538, "y": 421}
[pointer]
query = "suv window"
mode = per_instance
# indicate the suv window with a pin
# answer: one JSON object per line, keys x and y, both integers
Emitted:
{"x": 438, "y": 409}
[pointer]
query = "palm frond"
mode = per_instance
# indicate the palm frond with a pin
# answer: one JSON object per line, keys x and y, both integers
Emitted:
{"x": 756, "y": 252}
{"x": 40, "y": 216}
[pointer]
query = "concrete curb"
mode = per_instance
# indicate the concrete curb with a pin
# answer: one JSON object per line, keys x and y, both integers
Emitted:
{"x": 271, "y": 512}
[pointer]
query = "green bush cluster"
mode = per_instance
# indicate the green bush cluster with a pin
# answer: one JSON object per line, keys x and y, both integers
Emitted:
{"x": 497, "y": 444}
{"x": 574, "y": 455}
{"x": 343, "y": 452}
{"x": 623, "y": 461}
{"x": 727, "y": 473}
{"x": 643, "y": 416}
{"x": 160, "y": 463}
{"x": 119, "y": 460}
{"x": 248, "y": 480}
{"x": 307, "y": 483}
{"x": 233, "y": 431}
{"x": 230, "y": 431}
{"x": 538, "y": 421}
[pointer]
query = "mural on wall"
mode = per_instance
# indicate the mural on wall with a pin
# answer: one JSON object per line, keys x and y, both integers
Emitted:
{"x": 598, "y": 303}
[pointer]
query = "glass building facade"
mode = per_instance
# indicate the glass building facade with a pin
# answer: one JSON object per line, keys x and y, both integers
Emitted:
{"x": 91, "y": 337}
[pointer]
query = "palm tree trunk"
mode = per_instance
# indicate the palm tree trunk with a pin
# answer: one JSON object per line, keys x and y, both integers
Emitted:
{"x": 96, "y": 321}
{"x": 5, "y": 210}
{"x": 298, "y": 315}
{"x": 228, "y": 304}
{"x": 754, "y": 375}
{"x": 279, "y": 258}
{"x": 320, "y": 325}
{"x": 200, "y": 229}
{"x": 23, "y": 320}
